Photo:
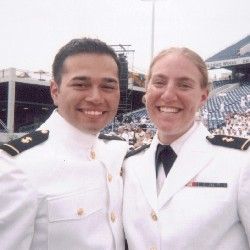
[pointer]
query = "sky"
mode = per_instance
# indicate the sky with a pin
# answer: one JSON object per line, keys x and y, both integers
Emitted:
{"x": 32, "y": 31}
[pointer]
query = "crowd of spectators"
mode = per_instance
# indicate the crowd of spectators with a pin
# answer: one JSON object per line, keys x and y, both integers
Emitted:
{"x": 138, "y": 131}
{"x": 235, "y": 125}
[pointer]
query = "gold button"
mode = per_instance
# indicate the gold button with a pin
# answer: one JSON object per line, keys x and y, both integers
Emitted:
{"x": 110, "y": 177}
{"x": 154, "y": 216}
{"x": 113, "y": 217}
{"x": 92, "y": 154}
{"x": 80, "y": 211}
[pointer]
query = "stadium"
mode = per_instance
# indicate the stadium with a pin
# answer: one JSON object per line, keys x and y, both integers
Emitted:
{"x": 25, "y": 100}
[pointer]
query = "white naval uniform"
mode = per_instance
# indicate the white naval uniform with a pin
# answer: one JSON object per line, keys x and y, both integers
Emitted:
{"x": 76, "y": 200}
{"x": 186, "y": 217}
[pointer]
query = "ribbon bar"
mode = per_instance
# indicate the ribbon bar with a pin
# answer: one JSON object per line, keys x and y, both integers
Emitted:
{"x": 207, "y": 184}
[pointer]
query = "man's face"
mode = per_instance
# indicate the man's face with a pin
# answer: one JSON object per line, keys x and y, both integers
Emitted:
{"x": 173, "y": 95}
{"x": 89, "y": 93}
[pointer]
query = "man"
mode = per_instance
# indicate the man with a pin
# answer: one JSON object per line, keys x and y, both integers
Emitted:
{"x": 65, "y": 187}
{"x": 202, "y": 202}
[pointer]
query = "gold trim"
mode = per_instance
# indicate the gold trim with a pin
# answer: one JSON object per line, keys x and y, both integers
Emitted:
{"x": 26, "y": 139}
{"x": 113, "y": 217}
{"x": 13, "y": 148}
{"x": 92, "y": 154}
{"x": 211, "y": 136}
{"x": 154, "y": 216}
{"x": 110, "y": 177}
{"x": 80, "y": 211}
{"x": 228, "y": 139}
{"x": 242, "y": 147}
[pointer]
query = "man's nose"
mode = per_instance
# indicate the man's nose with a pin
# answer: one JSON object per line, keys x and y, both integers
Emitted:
{"x": 94, "y": 95}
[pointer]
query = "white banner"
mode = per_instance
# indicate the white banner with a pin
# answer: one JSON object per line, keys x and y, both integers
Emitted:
{"x": 226, "y": 63}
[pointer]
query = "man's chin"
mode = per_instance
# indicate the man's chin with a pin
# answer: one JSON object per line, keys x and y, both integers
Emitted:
{"x": 92, "y": 129}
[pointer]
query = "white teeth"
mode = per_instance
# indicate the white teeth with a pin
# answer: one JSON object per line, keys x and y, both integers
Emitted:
{"x": 169, "y": 109}
{"x": 92, "y": 112}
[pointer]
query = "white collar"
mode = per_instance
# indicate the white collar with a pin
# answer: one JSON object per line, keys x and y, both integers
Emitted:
{"x": 63, "y": 129}
{"x": 178, "y": 143}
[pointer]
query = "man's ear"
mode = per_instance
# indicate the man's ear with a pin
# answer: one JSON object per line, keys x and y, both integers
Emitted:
{"x": 144, "y": 99}
{"x": 54, "y": 91}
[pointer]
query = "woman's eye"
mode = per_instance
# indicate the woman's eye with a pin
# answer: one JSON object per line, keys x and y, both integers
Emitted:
{"x": 158, "y": 83}
{"x": 185, "y": 85}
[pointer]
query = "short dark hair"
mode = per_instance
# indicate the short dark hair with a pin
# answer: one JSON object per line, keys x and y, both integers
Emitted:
{"x": 78, "y": 46}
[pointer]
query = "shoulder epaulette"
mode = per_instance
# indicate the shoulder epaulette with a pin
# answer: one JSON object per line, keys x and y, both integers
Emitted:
{"x": 136, "y": 151}
{"x": 111, "y": 137}
{"x": 25, "y": 142}
{"x": 229, "y": 141}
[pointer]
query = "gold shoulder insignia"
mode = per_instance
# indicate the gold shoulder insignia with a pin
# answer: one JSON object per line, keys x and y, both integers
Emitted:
{"x": 110, "y": 137}
{"x": 28, "y": 141}
{"x": 136, "y": 151}
{"x": 229, "y": 141}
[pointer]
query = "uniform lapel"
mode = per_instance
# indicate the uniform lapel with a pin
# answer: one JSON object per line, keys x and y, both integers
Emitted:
{"x": 145, "y": 172}
{"x": 193, "y": 157}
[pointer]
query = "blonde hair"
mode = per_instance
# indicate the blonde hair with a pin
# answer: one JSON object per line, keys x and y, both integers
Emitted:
{"x": 191, "y": 55}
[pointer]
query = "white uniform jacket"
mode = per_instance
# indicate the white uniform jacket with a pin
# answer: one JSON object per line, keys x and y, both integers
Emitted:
{"x": 74, "y": 187}
{"x": 186, "y": 215}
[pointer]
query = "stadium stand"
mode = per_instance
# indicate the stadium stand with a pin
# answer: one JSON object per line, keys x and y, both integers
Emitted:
{"x": 232, "y": 52}
{"x": 227, "y": 110}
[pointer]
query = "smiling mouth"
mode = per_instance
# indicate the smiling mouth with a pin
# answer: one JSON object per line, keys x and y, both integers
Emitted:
{"x": 168, "y": 109}
{"x": 92, "y": 112}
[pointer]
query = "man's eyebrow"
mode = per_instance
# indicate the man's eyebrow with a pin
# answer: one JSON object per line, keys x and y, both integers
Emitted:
{"x": 110, "y": 79}
{"x": 86, "y": 78}
{"x": 81, "y": 78}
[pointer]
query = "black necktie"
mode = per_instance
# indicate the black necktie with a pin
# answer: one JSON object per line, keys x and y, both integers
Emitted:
{"x": 165, "y": 155}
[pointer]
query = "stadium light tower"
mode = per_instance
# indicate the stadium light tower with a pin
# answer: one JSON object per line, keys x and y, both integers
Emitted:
{"x": 152, "y": 26}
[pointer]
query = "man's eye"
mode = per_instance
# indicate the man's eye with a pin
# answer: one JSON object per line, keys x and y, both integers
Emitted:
{"x": 110, "y": 85}
{"x": 79, "y": 84}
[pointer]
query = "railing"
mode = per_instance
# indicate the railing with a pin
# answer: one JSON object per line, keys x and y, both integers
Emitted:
{"x": 39, "y": 75}
{"x": 5, "y": 129}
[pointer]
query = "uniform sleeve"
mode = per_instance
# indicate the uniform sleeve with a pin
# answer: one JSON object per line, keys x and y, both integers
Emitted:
{"x": 18, "y": 207}
{"x": 244, "y": 199}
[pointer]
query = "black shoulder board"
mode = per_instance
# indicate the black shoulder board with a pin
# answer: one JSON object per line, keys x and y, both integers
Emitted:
{"x": 229, "y": 141}
{"x": 110, "y": 137}
{"x": 28, "y": 141}
{"x": 136, "y": 151}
